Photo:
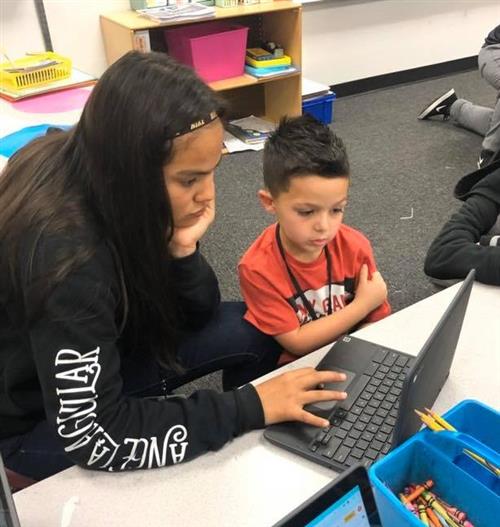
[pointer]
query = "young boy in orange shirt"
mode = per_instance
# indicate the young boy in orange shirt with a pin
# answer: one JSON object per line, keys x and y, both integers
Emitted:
{"x": 308, "y": 278}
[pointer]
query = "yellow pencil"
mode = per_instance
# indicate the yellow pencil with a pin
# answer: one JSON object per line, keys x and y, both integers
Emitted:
{"x": 484, "y": 462}
{"x": 440, "y": 420}
{"x": 430, "y": 422}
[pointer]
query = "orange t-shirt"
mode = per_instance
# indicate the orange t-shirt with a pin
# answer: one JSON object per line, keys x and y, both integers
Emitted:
{"x": 273, "y": 305}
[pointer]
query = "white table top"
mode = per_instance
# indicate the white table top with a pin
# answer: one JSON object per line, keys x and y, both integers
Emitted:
{"x": 250, "y": 482}
{"x": 15, "y": 116}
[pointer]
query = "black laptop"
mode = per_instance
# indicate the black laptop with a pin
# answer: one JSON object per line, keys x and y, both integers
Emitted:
{"x": 348, "y": 500}
{"x": 384, "y": 386}
{"x": 8, "y": 515}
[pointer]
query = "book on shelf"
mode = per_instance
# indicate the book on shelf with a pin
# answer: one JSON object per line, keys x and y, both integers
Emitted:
{"x": 260, "y": 73}
{"x": 285, "y": 60}
{"x": 77, "y": 79}
{"x": 142, "y": 42}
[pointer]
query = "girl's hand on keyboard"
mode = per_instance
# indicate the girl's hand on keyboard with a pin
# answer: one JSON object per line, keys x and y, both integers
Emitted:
{"x": 283, "y": 397}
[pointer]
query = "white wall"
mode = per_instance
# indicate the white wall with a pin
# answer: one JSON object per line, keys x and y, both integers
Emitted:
{"x": 343, "y": 40}
{"x": 74, "y": 29}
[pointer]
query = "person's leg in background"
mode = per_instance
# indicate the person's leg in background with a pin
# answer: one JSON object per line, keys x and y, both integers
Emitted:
{"x": 227, "y": 343}
{"x": 479, "y": 119}
{"x": 489, "y": 67}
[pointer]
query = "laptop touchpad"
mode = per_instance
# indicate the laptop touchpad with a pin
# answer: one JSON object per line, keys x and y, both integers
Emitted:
{"x": 341, "y": 386}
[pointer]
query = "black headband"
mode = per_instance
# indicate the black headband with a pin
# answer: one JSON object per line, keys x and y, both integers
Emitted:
{"x": 207, "y": 119}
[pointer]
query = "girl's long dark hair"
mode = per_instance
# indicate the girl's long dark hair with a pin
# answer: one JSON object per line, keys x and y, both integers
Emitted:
{"x": 107, "y": 171}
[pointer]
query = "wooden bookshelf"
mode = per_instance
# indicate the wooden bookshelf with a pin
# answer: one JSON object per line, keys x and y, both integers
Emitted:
{"x": 280, "y": 21}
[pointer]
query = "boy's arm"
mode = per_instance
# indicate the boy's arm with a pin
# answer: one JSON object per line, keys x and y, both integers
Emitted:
{"x": 384, "y": 308}
{"x": 369, "y": 295}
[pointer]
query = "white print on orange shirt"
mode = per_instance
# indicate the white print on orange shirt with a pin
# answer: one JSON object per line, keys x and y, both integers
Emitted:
{"x": 318, "y": 298}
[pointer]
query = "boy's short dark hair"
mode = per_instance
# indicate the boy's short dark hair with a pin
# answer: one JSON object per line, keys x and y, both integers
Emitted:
{"x": 302, "y": 146}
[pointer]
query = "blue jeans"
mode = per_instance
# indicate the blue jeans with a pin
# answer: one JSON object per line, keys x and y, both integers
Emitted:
{"x": 226, "y": 343}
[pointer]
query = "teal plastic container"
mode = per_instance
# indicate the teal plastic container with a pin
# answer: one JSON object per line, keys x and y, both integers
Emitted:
{"x": 439, "y": 456}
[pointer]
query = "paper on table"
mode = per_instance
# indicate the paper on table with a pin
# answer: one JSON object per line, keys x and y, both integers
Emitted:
{"x": 12, "y": 120}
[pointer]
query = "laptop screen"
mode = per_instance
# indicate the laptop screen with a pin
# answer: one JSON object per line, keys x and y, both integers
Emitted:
{"x": 348, "y": 510}
{"x": 346, "y": 501}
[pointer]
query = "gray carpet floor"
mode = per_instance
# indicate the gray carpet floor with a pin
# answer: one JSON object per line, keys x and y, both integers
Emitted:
{"x": 403, "y": 174}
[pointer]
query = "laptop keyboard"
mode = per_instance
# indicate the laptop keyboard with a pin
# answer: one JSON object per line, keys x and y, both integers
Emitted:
{"x": 361, "y": 430}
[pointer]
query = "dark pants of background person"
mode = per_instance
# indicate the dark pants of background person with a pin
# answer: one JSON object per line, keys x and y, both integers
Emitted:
{"x": 226, "y": 343}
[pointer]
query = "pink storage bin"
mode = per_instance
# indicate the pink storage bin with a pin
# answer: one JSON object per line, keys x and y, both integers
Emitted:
{"x": 215, "y": 50}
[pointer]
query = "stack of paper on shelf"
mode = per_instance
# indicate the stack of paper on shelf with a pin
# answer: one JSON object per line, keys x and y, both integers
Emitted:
{"x": 191, "y": 11}
{"x": 249, "y": 133}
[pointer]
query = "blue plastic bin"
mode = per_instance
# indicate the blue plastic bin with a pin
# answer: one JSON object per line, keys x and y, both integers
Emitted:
{"x": 320, "y": 107}
{"x": 439, "y": 456}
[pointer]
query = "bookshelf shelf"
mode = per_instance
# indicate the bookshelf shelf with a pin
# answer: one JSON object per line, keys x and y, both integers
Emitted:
{"x": 134, "y": 22}
{"x": 271, "y": 97}
{"x": 246, "y": 80}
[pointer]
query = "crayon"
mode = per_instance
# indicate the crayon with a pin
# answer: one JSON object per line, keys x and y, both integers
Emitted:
{"x": 455, "y": 514}
{"x": 439, "y": 509}
{"x": 460, "y": 518}
{"x": 430, "y": 513}
{"x": 408, "y": 489}
{"x": 453, "y": 511}
{"x": 433, "y": 517}
{"x": 418, "y": 490}
{"x": 409, "y": 505}
{"x": 422, "y": 514}
{"x": 442, "y": 520}
{"x": 463, "y": 523}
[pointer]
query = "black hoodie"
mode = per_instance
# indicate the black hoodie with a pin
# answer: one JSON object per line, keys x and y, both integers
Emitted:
{"x": 464, "y": 243}
{"x": 66, "y": 369}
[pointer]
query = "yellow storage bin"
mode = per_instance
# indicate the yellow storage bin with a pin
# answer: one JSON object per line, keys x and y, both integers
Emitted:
{"x": 33, "y": 76}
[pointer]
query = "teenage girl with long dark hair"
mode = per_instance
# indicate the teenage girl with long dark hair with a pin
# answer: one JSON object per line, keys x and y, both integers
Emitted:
{"x": 106, "y": 300}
